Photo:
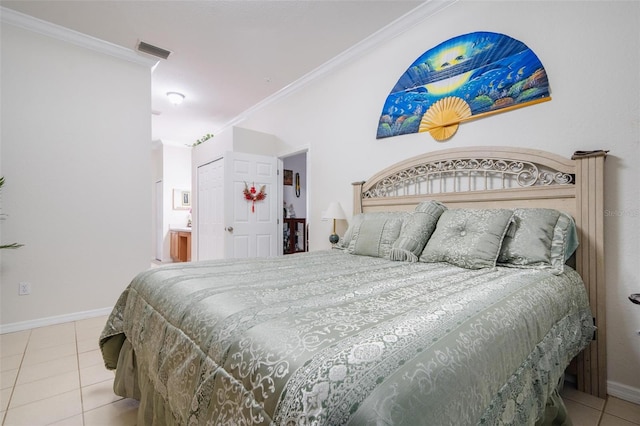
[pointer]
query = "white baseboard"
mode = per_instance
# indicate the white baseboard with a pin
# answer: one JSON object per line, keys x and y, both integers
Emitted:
{"x": 43, "y": 322}
{"x": 615, "y": 389}
{"x": 625, "y": 392}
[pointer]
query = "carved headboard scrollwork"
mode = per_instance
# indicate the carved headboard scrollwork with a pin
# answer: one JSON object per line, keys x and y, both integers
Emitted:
{"x": 476, "y": 171}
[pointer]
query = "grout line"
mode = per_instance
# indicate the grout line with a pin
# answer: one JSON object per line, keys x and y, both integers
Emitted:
{"x": 634, "y": 422}
{"x": 75, "y": 331}
{"x": 602, "y": 411}
{"x": 604, "y": 407}
{"x": 15, "y": 381}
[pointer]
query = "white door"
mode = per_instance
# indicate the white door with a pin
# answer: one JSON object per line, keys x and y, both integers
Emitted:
{"x": 210, "y": 215}
{"x": 253, "y": 228}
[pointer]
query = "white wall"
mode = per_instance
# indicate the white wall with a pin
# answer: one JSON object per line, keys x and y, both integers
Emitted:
{"x": 233, "y": 139}
{"x": 76, "y": 137}
{"x": 590, "y": 52}
{"x": 254, "y": 142}
{"x": 156, "y": 192}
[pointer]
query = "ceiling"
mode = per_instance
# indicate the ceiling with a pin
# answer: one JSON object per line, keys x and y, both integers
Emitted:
{"x": 227, "y": 56}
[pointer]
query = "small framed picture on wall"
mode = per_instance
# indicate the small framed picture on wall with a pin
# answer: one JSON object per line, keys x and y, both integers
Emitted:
{"x": 288, "y": 177}
{"x": 181, "y": 199}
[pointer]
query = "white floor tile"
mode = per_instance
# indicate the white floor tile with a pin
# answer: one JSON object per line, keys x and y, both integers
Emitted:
{"x": 10, "y": 362}
{"x": 97, "y": 395}
{"x": 8, "y": 378}
{"x": 623, "y": 409}
{"x": 42, "y": 370}
{"x": 581, "y": 414}
{"x": 610, "y": 420}
{"x": 569, "y": 393}
{"x": 87, "y": 345}
{"x": 90, "y": 359}
{"x": 13, "y": 343}
{"x": 89, "y": 334}
{"x": 45, "y": 411}
{"x": 43, "y": 389}
{"x": 92, "y": 322}
{"x": 70, "y": 421}
{"x": 35, "y": 356}
{"x": 121, "y": 413}
{"x": 66, "y": 328}
{"x": 5, "y": 395}
{"x": 48, "y": 341}
{"x": 95, "y": 374}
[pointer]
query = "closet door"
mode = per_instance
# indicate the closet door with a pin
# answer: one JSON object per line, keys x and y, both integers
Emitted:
{"x": 210, "y": 206}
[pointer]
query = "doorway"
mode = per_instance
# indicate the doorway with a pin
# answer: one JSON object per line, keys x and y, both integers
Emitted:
{"x": 159, "y": 234}
{"x": 295, "y": 203}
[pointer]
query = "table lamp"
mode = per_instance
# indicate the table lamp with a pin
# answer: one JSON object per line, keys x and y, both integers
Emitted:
{"x": 334, "y": 211}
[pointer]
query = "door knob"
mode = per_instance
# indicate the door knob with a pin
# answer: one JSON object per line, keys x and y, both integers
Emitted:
{"x": 230, "y": 229}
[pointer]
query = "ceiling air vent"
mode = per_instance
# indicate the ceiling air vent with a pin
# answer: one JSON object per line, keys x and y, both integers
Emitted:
{"x": 153, "y": 50}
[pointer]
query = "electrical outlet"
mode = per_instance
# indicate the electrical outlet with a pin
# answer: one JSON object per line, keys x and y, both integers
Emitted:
{"x": 24, "y": 288}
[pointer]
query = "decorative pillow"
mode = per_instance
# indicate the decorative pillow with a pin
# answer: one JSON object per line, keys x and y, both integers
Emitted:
{"x": 565, "y": 241}
{"x": 469, "y": 238}
{"x": 416, "y": 230}
{"x": 344, "y": 241}
{"x": 541, "y": 239}
{"x": 431, "y": 207}
{"x": 374, "y": 233}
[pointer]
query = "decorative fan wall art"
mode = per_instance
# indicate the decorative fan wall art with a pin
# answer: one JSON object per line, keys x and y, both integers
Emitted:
{"x": 464, "y": 78}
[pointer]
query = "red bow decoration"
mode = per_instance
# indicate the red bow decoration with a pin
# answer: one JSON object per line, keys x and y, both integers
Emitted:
{"x": 250, "y": 194}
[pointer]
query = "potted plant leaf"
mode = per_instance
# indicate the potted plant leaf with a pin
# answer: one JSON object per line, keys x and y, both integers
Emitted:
{"x": 2, "y": 216}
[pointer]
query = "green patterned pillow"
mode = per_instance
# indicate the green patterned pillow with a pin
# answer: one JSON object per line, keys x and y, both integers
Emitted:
{"x": 344, "y": 241}
{"x": 565, "y": 241}
{"x": 469, "y": 238}
{"x": 416, "y": 230}
{"x": 373, "y": 234}
{"x": 542, "y": 239}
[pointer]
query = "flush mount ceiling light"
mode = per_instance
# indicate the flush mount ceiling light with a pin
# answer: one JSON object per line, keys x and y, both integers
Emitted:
{"x": 175, "y": 97}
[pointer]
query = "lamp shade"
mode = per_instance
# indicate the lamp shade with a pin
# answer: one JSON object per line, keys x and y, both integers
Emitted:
{"x": 334, "y": 211}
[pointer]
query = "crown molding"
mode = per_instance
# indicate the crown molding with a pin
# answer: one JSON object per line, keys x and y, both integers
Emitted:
{"x": 21, "y": 20}
{"x": 392, "y": 30}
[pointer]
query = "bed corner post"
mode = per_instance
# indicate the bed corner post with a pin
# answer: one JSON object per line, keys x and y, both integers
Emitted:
{"x": 357, "y": 197}
{"x": 592, "y": 362}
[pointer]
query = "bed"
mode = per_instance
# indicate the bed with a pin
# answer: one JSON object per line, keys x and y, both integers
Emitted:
{"x": 427, "y": 312}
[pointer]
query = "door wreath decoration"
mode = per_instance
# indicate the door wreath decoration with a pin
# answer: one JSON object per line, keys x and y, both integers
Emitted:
{"x": 252, "y": 195}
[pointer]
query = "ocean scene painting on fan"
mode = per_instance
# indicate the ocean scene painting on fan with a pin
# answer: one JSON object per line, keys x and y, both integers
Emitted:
{"x": 464, "y": 78}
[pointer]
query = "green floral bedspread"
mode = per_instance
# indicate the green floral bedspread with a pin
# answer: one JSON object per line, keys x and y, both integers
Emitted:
{"x": 329, "y": 338}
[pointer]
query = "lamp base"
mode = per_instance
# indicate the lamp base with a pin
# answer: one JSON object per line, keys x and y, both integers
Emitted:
{"x": 334, "y": 238}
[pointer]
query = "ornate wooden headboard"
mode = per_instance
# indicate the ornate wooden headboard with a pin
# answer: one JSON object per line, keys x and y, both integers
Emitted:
{"x": 493, "y": 177}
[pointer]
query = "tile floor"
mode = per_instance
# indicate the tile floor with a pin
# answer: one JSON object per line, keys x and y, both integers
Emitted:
{"x": 55, "y": 376}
